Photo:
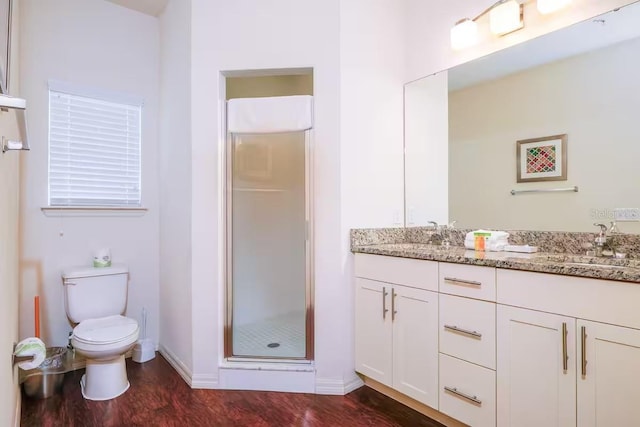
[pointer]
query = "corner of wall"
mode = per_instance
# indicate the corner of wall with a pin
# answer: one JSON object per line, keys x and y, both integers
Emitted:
{"x": 338, "y": 387}
{"x": 177, "y": 364}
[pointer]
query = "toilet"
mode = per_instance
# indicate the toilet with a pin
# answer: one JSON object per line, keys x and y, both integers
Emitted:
{"x": 95, "y": 299}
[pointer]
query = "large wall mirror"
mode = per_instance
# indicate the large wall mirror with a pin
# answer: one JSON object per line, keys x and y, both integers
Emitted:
{"x": 462, "y": 127}
{"x": 5, "y": 43}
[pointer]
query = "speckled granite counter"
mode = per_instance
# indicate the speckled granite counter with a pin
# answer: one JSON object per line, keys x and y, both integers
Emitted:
{"x": 627, "y": 270}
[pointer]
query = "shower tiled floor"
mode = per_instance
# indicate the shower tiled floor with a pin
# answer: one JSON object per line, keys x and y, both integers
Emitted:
{"x": 288, "y": 331}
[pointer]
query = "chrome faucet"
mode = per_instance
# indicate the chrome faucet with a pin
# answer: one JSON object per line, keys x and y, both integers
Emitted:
{"x": 446, "y": 231}
{"x": 442, "y": 233}
{"x": 604, "y": 241}
{"x": 436, "y": 233}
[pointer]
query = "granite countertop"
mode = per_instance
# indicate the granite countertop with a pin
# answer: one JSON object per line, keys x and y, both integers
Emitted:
{"x": 627, "y": 270}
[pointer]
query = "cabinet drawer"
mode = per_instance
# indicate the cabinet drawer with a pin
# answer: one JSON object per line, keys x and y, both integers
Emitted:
{"x": 468, "y": 330}
{"x": 401, "y": 271}
{"x": 468, "y": 281}
{"x": 467, "y": 392}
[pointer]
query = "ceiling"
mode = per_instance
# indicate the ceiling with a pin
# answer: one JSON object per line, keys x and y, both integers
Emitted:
{"x": 149, "y": 7}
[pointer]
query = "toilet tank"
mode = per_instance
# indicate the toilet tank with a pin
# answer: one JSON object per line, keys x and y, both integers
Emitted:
{"x": 90, "y": 292}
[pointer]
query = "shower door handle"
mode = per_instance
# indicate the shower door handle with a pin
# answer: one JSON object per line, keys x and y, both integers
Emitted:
{"x": 384, "y": 302}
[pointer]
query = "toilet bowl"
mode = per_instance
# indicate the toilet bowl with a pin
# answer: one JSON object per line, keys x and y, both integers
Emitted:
{"x": 95, "y": 301}
{"x": 104, "y": 342}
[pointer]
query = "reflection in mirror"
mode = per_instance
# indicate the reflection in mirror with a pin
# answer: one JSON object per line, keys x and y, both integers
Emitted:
{"x": 580, "y": 81}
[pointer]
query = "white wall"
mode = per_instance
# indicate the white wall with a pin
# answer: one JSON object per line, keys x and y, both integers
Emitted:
{"x": 372, "y": 51}
{"x": 175, "y": 183}
{"x": 429, "y": 23}
{"x": 10, "y": 246}
{"x": 254, "y": 35}
{"x": 588, "y": 98}
{"x": 294, "y": 34}
{"x": 98, "y": 44}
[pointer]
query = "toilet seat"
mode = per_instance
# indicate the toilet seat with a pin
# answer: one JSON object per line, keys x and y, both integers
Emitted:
{"x": 106, "y": 330}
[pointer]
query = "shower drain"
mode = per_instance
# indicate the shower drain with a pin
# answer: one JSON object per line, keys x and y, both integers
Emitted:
{"x": 273, "y": 345}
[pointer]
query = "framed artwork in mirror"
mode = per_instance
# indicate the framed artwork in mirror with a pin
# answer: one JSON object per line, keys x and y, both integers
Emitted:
{"x": 542, "y": 159}
{"x": 5, "y": 44}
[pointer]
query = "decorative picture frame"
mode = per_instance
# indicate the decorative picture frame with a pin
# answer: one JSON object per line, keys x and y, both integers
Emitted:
{"x": 542, "y": 159}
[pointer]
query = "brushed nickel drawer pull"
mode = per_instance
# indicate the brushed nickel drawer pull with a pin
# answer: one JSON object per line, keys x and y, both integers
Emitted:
{"x": 384, "y": 302}
{"x": 565, "y": 356}
{"x": 462, "y": 281}
{"x": 393, "y": 304}
{"x": 473, "y": 334}
{"x": 465, "y": 396}
{"x": 583, "y": 342}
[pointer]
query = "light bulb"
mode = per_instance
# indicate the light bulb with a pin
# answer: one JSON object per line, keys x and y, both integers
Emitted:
{"x": 464, "y": 34}
{"x": 506, "y": 17}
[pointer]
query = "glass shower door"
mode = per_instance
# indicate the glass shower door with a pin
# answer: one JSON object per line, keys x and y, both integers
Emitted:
{"x": 268, "y": 251}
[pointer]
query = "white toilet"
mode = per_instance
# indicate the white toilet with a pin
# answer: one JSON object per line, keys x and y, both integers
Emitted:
{"x": 94, "y": 299}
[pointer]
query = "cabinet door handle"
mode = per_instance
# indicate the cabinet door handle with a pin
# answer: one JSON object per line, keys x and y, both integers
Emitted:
{"x": 454, "y": 391}
{"x": 472, "y": 334}
{"x": 565, "y": 356}
{"x": 393, "y": 304}
{"x": 384, "y": 302}
{"x": 583, "y": 342}
{"x": 462, "y": 281}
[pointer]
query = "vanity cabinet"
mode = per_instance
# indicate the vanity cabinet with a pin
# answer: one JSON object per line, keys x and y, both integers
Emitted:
{"x": 501, "y": 347}
{"x": 536, "y": 365}
{"x": 397, "y": 326}
{"x": 569, "y": 368}
{"x": 609, "y": 382}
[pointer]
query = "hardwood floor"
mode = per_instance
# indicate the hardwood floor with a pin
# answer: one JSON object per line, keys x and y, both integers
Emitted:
{"x": 159, "y": 397}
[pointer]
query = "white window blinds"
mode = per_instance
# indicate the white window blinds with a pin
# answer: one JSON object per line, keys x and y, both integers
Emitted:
{"x": 94, "y": 152}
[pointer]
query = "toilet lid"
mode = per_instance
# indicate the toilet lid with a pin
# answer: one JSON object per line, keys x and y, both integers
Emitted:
{"x": 105, "y": 330}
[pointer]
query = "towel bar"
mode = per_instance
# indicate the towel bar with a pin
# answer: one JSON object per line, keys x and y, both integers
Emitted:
{"x": 545, "y": 190}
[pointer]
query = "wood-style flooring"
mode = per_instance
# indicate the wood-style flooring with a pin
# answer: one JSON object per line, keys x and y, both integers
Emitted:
{"x": 159, "y": 397}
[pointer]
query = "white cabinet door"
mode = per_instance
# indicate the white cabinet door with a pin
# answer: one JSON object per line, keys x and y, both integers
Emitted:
{"x": 373, "y": 350}
{"x": 415, "y": 344}
{"x": 533, "y": 387}
{"x": 609, "y": 382}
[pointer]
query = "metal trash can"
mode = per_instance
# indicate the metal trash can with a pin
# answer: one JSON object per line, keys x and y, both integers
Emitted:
{"x": 48, "y": 378}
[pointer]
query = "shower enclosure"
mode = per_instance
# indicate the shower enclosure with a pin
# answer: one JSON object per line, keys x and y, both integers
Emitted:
{"x": 269, "y": 288}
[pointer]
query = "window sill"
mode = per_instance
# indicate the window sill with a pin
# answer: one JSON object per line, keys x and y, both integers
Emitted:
{"x": 64, "y": 211}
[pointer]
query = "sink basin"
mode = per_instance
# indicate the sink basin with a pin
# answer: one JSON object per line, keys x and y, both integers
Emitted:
{"x": 587, "y": 264}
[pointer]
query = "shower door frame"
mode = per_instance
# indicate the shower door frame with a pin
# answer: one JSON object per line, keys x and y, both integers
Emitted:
{"x": 309, "y": 274}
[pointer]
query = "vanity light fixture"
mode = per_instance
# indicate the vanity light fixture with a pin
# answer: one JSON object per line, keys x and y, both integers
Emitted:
{"x": 550, "y": 6}
{"x": 464, "y": 34}
{"x": 506, "y": 17}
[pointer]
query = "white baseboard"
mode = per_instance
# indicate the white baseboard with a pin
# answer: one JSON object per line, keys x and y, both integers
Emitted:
{"x": 336, "y": 386}
{"x": 177, "y": 364}
{"x": 301, "y": 381}
{"x": 353, "y": 383}
{"x": 205, "y": 381}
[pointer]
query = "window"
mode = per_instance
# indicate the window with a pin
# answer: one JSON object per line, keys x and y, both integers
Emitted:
{"x": 94, "y": 151}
